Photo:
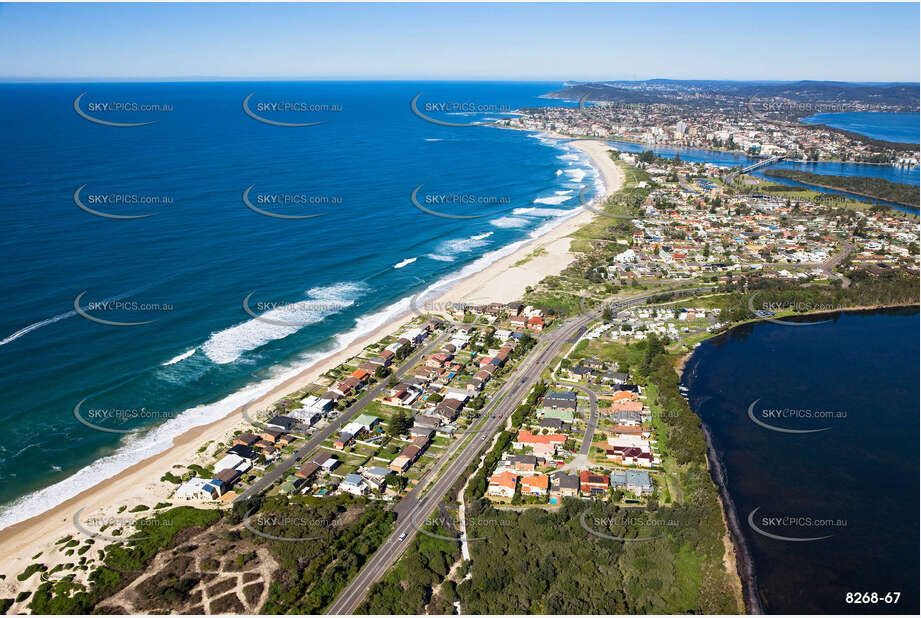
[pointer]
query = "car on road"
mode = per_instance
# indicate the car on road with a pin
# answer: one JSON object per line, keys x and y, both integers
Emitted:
{"x": 523, "y": 380}
{"x": 402, "y": 536}
{"x": 483, "y": 438}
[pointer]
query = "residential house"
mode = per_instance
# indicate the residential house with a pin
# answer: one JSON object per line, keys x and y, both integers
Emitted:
{"x": 448, "y": 410}
{"x": 246, "y": 439}
{"x": 354, "y": 484}
{"x": 344, "y": 439}
{"x": 560, "y": 400}
{"x": 307, "y": 470}
{"x": 225, "y": 479}
{"x": 197, "y": 489}
{"x": 563, "y": 486}
{"x": 284, "y": 423}
{"x": 503, "y": 484}
{"x": 523, "y": 463}
{"x": 536, "y": 485}
{"x": 271, "y": 435}
{"x": 563, "y": 414}
{"x": 409, "y": 455}
{"x": 542, "y": 445}
{"x": 592, "y": 484}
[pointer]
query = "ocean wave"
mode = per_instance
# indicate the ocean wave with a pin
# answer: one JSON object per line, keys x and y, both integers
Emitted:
{"x": 541, "y": 212}
{"x": 559, "y": 172}
{"x": 554, "y": 200}
{"x": 181, "y": 357}
{"x": 568, "y": 157}
{"x": 432, "y": 139}
{"x": 228, "y": 345}
{"x": 509, "y": 222}
{"x": 450, "y": 248}
{"x": 564, "y": 192}
{"x": 440, "y": 258}
{"x": 61, "y": 316}
{"x": 405, "y": 262}
{"x": 577, "y": 174}
{"x": 134, "y": 448}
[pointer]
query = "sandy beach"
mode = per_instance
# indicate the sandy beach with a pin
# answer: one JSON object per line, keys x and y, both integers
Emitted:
{"x": 501, "y": 281}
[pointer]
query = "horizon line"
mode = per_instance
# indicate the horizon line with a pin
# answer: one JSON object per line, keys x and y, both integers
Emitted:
{"x": 193, "y": 78}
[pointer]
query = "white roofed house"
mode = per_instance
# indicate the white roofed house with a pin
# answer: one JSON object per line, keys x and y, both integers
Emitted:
{"x": 233, "y": 462}
{"x": 198, "y": 489}
{"x": 354, "y": 485}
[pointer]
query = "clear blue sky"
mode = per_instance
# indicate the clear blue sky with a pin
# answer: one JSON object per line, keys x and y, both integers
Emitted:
{"x": 851, "y": 42}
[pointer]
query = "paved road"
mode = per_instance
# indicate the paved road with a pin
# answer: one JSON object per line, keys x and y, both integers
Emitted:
{"x": 318, "y": 437}
{"x": 829, "y": 266}
{"x": 592, "y": 419}
{"x": 412, "y": 510}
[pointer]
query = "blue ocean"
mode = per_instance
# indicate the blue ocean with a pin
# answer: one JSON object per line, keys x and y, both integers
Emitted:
{"x": 171, "y": 234}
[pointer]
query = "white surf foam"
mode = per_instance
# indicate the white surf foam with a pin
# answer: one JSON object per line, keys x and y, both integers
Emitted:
{"x": 159, "y": 439}
{"x": 405, "y": 262}
{"x": 228, "y": 345}
{"x": 456, "y": 246}
{"x": 542, "y": 212}
{"x": 509, "y": 222}
{"x": 181, "y": 357}
{"x": 576, "y": 173}
{"x": 554, "y": 200}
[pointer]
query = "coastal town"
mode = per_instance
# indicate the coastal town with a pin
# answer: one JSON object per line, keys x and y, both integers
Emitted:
{"x": 380, "y": 426}
{"x": 567, "y": 395}
{"x": 753, "y": 127}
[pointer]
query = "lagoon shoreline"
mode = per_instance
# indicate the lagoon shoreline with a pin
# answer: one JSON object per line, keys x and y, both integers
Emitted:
{"x": 742, "y": 559}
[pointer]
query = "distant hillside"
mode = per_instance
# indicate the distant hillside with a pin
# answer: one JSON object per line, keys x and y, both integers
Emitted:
{"x": 901, "y": 95}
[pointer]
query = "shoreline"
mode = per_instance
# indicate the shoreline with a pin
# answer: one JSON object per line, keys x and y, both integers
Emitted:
{"x": 501, "y": 281}
{"x": 848, "y": 191}
{"x": 741, "y": 558}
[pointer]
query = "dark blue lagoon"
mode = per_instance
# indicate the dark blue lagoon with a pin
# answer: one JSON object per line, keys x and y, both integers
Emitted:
{"x": 816, "y": 431}
{"x": 891, "y": 127}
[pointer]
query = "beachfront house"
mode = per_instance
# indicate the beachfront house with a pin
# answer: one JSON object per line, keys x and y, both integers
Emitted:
{"x": 197, "y": 489}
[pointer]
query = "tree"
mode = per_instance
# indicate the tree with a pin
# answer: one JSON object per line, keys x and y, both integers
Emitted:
{"x": 400, "y": 423}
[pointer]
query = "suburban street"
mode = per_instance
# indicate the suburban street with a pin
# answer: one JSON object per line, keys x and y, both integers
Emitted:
{"x": 592, "y": 419}
{"x": 411, "y": 509}
{"x": 283, "y": 466}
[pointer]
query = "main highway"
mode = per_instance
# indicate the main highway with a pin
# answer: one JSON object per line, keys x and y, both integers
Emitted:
{"x": 412, "y": 510}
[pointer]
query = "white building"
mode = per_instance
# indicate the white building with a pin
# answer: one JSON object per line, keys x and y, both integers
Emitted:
{"x": 197, "y": 489}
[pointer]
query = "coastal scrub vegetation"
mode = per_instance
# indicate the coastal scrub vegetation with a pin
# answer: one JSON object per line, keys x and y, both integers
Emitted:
{"x": 408, "y": 586}
{"x": 344, "y": 533}
{"x": 678, "y": 569}
{"x": 121, "y": 563}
